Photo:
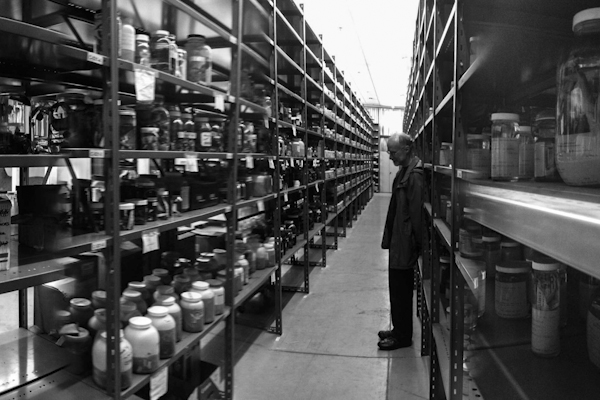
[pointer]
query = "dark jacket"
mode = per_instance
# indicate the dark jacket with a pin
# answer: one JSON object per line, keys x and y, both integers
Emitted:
{"x": 403, "y": 234}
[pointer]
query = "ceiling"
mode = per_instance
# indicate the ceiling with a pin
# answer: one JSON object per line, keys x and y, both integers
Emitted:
{"x": 372, "y": 42}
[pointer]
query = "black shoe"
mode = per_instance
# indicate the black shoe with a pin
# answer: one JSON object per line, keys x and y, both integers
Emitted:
{"x": 384, "y": 334}
{"x": 391, "y": 343}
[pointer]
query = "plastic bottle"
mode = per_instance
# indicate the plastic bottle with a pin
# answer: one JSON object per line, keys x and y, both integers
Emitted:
{"x": 136, "y": 298}
{"x": 208, "y": 299}
{"x": 192, "y": 310}
{"x": 545, "y": 308}
{"x": 167, "y": 330}
{"x": 100, "y": 364}
{"x": 217, "y": 288}
{"x": 145, "y": 342}
{"x": 174, "y": 311}
{"x": 128, "y": 43}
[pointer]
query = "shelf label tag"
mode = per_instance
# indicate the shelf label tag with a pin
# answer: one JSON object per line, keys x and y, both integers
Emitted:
{"x": 220, "y": 102}
{"x": 159, "y": 383}
{"x": 271, "y": 163}
{"x": 97, "y": 153}
{"x": 317, "y": 187}
{"x": 261, "y": 205}
{"x": 285, "y": 197}
{"x": 300, "y": 163}
{"x": 145, "y": 83}
{"x": 315, "y": 163}
{"x": 249, "y": 162}
{"x": 459, "y": 173}
{"x": 294, "y": 129}
{"x": 150, "y": 240}
{"x": 266, "y": 121}
{"x": 98, "y": 245}
{"x": 95, "y": 58}
{"x": 191, "y": 164}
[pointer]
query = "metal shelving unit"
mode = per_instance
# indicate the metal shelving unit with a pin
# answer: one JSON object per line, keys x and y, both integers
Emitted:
{"x": 452, "y": 90}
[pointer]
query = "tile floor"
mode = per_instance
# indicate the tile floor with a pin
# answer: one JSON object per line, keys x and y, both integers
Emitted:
{"x": 328, "y": 349}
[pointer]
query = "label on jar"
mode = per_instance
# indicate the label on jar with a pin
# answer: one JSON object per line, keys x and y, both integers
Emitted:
{"x": 505, "y": 158}
{"x": 193, "y": 320}
{"x": 526, "y": 160}
{"x": 167, "y": 342}
{"x": 146, "y": 364}
{"x": 181, "y": 134}
{"x": 191, "y": 135}
{"x": 206, "y": 139}
{"x": 578, "y": 158}
{"x": 545, "y": 337}
{"x": 511, "y": 299}
{"x": 593, "y": 338}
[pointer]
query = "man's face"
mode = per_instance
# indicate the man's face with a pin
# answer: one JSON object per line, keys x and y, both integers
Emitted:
{"x": 398, "y": 154}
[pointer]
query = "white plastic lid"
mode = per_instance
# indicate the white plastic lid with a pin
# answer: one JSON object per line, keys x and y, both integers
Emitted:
{"x": 586, "y": 15}
{"x": 490, "y": 239}
{"x": 158, "y": 311}
{"x": 505, "y": 116}
{"x": 166, "y": 300}
{"x": 137, "y": 285}
{"x": 141, "y": 202}
{"x": 140, "y": 322}
{"x": 192, "y": 297}
{"x": 127, "y": 112}
{"x": 80, "y": 302}
{"x": 142, "y": 38}
{"x": 126, "y": 206}
{"x": 219, "y": 251}
{"x": 545, "y": 264}
{"x": 523, "y": 267}
{"x": 161, "y": 32}
{"x": 132, "y": 294}
{"x": 200, "y": 285}
{"x": 510, "y": 244}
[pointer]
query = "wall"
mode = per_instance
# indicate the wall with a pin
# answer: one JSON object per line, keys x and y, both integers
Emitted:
{"x": 390, "y": 121}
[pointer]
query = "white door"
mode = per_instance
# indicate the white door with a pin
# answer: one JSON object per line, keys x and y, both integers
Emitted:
{"x": 387, "y": 171}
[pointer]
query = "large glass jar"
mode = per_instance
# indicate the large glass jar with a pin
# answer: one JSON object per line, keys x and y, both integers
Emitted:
{"x": 511, "y": 294}
{"x": 100, "y": 363}
{"x": 544, "y": 132}
{"x": 162, "y": 120}
{"x": 578, "y": 120}
{"x": 478, "y": 154}
{"x": 199, "y": 61}
{"x": 505, "y": 146}
{"x": 159, "y": 51}
{"x": 545, "y": 307}
{"x": 526, "y": 152}
{"x": 203, "y": 133}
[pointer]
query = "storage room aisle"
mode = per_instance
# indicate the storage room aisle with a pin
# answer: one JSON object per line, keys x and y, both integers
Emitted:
{"x": 328, "y": 349}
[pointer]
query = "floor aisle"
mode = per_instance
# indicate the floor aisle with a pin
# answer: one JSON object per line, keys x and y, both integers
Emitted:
{"x": 328, "y": 349}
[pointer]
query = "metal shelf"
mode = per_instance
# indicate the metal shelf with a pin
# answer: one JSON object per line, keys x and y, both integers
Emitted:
{"x": 443, "y": 230}
{"x": 257, "y": 279}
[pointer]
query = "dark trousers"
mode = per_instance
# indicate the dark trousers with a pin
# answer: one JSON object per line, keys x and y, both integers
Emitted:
{"x": 401, "y": 294}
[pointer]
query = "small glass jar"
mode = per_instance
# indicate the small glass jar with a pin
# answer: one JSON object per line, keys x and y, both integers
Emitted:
{"x": 220, "y": 257}
{"x": 136, "y": 298}
{"x": 544, "y": 132}
{"x": 479, "y": 156}
{"x": 128, "y": 311}
{"x": 511, "y": 250}
{"x": 159, "y": 51}
{"x": 81, "y": 311}
{"x": 149, "y": 138}
{"x": 98, "y": 299}
{"x": 98, "y": 215}
{"x": 126, "y": 215}
{"x": 270, "y": 249}
{"x": 141, "y": 287}
{"x": 127, "y": 130}
{"x": 152, "y": 282}
{"x": 203, "y": 133}
{"x": 505, "y": 146}
{"x": 238, "y": 277}
{"x": 199, "y": 61}
{"x": 165, "y": 325}
{"x": 142, "y": 49}
{"x": 545, "y": 307}
{"x": 512, "y": 288}
{"x": 526, "y": 153}
{"x": 140, "y": 211}
{"x": 492, "y": 253}
{"x": 469, "y": 239}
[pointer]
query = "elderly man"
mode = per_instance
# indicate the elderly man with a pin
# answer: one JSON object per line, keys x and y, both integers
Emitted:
{"x": 402, "y": 236}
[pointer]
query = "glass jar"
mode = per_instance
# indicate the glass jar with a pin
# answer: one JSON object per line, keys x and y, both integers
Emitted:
{"x": 160, "y": 51}
{"x": 245, "y": 265}
{"x": 142, "y": 49}
{"x": 492, "y": 253}
{"x": 181, "y": 68}
{"x": 152, "y": 282}
{"x": 162, "y": 120}
{"x": 192, "y": 310}
{"x": 298, "y": 148}
{"x": 469, "y": 238}
{"x": 127, "y": 129}
{"x": 526, "y": 152}
{"x": 97, "y": 323}
{"x": 128, "y": 311}
{"x": 149, "y": 138}
{"x": 217, "y": 288}
{"x": 217, "y": 136}
{"x": 189, "y": 144}
{"x": 98, "y": 299}
{"x": 545, "y": 308}
{"x": 145, "y": 342}
{"x": 208, "y": 298}
{"x": 100, "y": 364}
{"x": 270, "y": 249}
{"x": 170, "y": 302}
{"x": 203, "y": 133}
{"x": 81, "y": 311}
{"x": 220, "y": 257}
{"x": 512, "y": 283}
{"x": 544, "y": 132}
{"x": 126, "y": 215}
{"x": 181, "y": 283}
{"x": 165, "y": 325}
{"x": 141, "y": 287}
{"x": 511, "y": 250}
{"x": 505, "y": 146}
{"x": 479, "y": 154}
{"x": 163, "y": 274}
{"x": 140, "y": 211}
{"x": 199, "y": 62}
{"x": 136, "y": 298}
{"x": 577, "y": 142}
{"x": 470, "y": 307}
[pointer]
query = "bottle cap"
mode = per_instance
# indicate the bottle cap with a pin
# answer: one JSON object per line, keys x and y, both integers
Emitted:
{"x": 505, "y": 117}
{"x": 200, "y": 285}
{"x": 158, "y": 311}
{"x": 191, "y": 297}
{"x": 140, "y": 322}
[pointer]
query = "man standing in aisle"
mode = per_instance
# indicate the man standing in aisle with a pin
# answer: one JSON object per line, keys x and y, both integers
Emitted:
{"x": 402, "y": 236}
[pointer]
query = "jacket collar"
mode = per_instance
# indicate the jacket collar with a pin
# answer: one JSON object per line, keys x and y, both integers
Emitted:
{"x": 415, "y": 163}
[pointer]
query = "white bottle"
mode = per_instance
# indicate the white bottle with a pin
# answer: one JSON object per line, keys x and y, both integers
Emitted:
{"x": 127, "y": 41}
{"x": 144, "y": 341}
{"x": 217, "y": 287}
{"x": 174, "y": 311}
{"x": 165, "y": 325}
{"x": 192, "y": 309}
{"x": 99, "y": 360}
{"x": 208, "y": 298}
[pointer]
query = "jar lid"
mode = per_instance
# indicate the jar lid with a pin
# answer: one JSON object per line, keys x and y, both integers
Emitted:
{"x": 505, "y": 116}
{"x": 200, "y": 285}
{"x": 80, "y": 302}
{"x": 490, "y": 238}
{"x": 191, "y": 297}
{"x": 132, "y": 294}
{"x": 545, "y": 264}
{"x": 181, "y": 278}
{"x": 151, "y": 279}
{"x": 127, "y": 306}
{"x": 142, "y": 38}
{"x": 197, "y": 36}
{"x": 165, "y": 289}
{"x": 549, "y": 114}
{"x": 149, "y": 129}
{"x": 214, "y": 283}
{"x": 585, "y": 15}
{"x": 165, "y": 300}
{"x": 525, "y": 128}
{"x": 140, "y": 202}
{"x": 161, "y": 32}
{"x": 514, "y": 267}
{"x": 127, "y": 112}
{"x": 222, "y": 274}
{"x": 63, "y": 315}
{"x": 137, "y": 285}
{"x": 140, "y": 322}
{"x": 160, "y": 272}
{"x": 509, "y": 244}
{"x": 99, "y": 294}
{"x": 445, "y": 259}
{"x": 126, "y": 206}
{"x": 158, "y": 311}
{"x": 219, "y": 251}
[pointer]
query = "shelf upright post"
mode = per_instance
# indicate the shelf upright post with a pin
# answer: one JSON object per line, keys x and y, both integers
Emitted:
{"x": 304, "y": 90}
{"x": 336, "y": 161}
{"x": 278, "y": 329}
{"x": 110, "y": 118}
{"x": 322, "y": 155}
{"x": 231, "y": 215}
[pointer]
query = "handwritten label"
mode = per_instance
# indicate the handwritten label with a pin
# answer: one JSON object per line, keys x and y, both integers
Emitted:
{"x": 99, "y": 245}
{"x": 159, "y": 383}
{"x": 261, "y": 205}
{"x": 145, "y": 83}
{"x": 95, "y": 58}
{"x": 271, "y": 163}
{"x": 150, "y": 240}
{"x": 220, "y": 102}
{"x": 294, "y": 129}
{"x": 97, "y": 153}
{"x": 249, "y": 161}
{"x": 285, "y": 197}
{"x": 191, "y": 164}
{"x": 459, "y": 174}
